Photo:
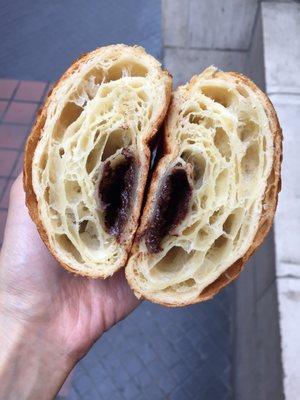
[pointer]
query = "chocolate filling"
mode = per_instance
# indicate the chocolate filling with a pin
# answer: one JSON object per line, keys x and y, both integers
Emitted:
{"x": 170, "y": 209}
{"x": 116, "y": 193}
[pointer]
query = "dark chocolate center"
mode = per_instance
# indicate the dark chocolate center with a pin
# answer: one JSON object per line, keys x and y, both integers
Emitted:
{"x": 170, "y": 209}
{"x": 116, "y": 193}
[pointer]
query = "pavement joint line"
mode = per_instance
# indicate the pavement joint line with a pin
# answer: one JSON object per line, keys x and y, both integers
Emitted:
{"x": 256, "y": 17}
{"x": 18, "y": 123}
{"x": 22, "y": 101}
{"x": 284, "y": 93}
{"x": 288, "y": 276}
{"x": 206, "y": 49}
{"x": 10, "y": 148}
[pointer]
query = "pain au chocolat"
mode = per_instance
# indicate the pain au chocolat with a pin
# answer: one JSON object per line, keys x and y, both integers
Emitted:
{"x": 213, "y": 193}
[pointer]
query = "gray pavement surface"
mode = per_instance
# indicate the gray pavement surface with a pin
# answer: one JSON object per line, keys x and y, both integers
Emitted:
{"x": 40, "y": 39}
{"x": 159, "y": 353}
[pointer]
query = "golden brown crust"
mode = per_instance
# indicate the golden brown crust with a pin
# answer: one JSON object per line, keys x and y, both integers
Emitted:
{"x": 34, "y": 137}
{"x": 270, "y": 201}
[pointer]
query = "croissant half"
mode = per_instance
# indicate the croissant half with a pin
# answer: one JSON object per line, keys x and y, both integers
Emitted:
{"x": 87, "y": 158}
{"x": 213, "y": 194}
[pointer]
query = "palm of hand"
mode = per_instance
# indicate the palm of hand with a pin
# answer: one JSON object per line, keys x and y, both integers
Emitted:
{"x": 72, "y": 310}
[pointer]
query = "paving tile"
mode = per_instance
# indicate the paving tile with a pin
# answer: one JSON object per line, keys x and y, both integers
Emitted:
{"x": 219, "y": 363}
{"x": 20, "y": 113}
{"x": 12, "y": 136}
{"x": 153, "y": 392}
{"x": 82, "y": 383}
{"x": 3, "y": 215}
{"x": 215, "y": 391}
{"x": 173, "y": 332}
{"x": 179, "y": 394}
{"x": 131, "y": 391}
{"x": 134, "y": 339}
{"x": 175, "y": 22}
{"x": 287, "y": 228}
{"x": 167, "y": 353}
{"x": 184, "y": 346}
{"x": 5, "y": 197}
{"x": 132, "y": 364}
{"x": 209, "y": 350}
{"x": 188, "y": 320}
{"x": 288, "y": 109}
{"x": 91, "y": 394}
{"x": 115, "y": 396}
{"x": 289, "y": 297}
{"x": 255, "y": 67}
{"x": 213, "y": 26}
{"x": 245, "y": 338}
{"x": 3, "y": 105}
{"x": 143, "y": 379}
{"x": 106, "y": 388}
{"x": 7, "y": 161}
{"x": 222, "y": 341}
{"x": 227, "y": 377}
{"x": 102, "y": 346}
{"x": 167, "y": 382}
{"x": 194, "y": 360}
{"x": 149, "y": 327}
{"x": 7, "y": 87}
{"x": 97, "y": 372}
{"x": 287, "y": 218}
{"x": 156, "y": 368}
{"x": 214, "y": 319}
{"x": 195, "y": 336}
{"x": 161, "y": 315}
{"x": 128, "y": 330}
{"x": 180, "y": 371}
{"x": 30, "y": 91}
{"x": 120, "y": 377}
{"x": 268, "y": 350}
{"x": 19, "y": 166}
{"x": 266, "y": 275}
{"x": 213, "y": 308}
{"x": 199, "y": 380}
{"x": 73, "y": 395}
{"x": 146, "y": 352}
{"x": 2, "y": 185}
{"x": 111, "y": 362}
{"x": 281, "y": 23}
{"x": 184, "y": 63}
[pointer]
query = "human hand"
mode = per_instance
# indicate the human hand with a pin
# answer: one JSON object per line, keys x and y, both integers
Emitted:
{"x": 43, "y": 305}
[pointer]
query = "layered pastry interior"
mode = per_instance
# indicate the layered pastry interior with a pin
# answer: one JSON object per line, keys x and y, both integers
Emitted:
{"x": 90, "y": 165}
{"x": 207, "y": 193}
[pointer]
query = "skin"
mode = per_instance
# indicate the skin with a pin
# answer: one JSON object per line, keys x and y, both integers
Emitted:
{"x": 49, "y": 318}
